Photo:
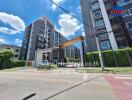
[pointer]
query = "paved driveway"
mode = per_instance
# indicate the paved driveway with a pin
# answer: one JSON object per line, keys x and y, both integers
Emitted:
{"x": 56, "y": 85}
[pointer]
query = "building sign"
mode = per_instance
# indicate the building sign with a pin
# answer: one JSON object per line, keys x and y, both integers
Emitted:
{"x": 117, "y": 11}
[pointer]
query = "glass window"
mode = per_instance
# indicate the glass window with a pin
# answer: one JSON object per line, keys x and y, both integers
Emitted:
{"x": 120, "y": 3}
{"x": 129, "y": 25}
{"x": 131, "y": 10}
{"x": 118, "y": 31}
{"x": 122, "y": 43}
{"x": 95, "y": 6}
{"x": 105, "y": 45}
{"x": 102, "y": 33}
{"x": 126, "y": 1}
{"x": 16, "y": 55}
{"x": 99, "y": 22}
{"x": 97, "y": 13}
{"x": 108, "y": 5}
{"x": 17, "y": 50}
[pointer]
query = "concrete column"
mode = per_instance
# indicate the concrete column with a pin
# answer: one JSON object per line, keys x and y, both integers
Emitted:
{"x": 108, "y": 25}
{"x": 30, "y": 41}
{"x": 82, "y": 53}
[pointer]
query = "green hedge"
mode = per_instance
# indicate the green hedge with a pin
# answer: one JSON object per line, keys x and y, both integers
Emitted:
{"x": 130, "y": 52}
{"x": 6, "y": 60}
{"x": 111, "y": 58}
{"x": 108, "y": 57}
{"x": 18, "y": 63}
{"x": 72, "y": 59}
{"x": 92, "y": 58}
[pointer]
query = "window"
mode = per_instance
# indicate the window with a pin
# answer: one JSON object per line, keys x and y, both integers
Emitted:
{"x": 122, "y": 43}
{"x": 8, "y": 48}
{"x": 99, "y": 22}
{"x": 25, "y": 46}
{"x": 120, "y": 3}
{"x": 16, "y": 55}
{"x": 118, "y": 31}
{"x": 108, "y": 5}
{"x": 129, "y": 25}
{"x": 127, "y": 1}
{"x": 131, "y": 10}
{"x": 95, "y": 6}
{"x": 105, "y": 45}
{"x": 102, "y": 33}
{"x": 17, "y": 50}
{"x": 123, "y": 2}
{"x": 97, "y": 13}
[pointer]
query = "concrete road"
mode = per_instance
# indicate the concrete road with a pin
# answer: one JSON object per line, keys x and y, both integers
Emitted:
{"x": 56, "y": 85}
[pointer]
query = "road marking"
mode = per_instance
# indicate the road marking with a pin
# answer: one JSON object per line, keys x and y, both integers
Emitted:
{"x": 128, "y": 83}
{"x": 122, "y": 90}
{"x": 85, "y": 77}
{"x": 123, "y": 77}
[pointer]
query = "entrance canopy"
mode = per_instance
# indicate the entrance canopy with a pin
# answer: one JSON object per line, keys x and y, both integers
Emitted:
{"x": 71, "y": 42}
{"x": 38, "y": 54}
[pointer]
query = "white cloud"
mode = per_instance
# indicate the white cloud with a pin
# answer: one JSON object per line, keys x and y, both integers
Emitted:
{"x": 83, "y": 34}
{"x": 82, "y": 29}
{"x": 57, "y": 2}
{"x": 18, "y": 42}
{"x": 8, "y": 31}
{"x": 2, "y": 40}
{"x": 79, "y": 9}
{"x": 68, "y": 24}
{"x": 15, "y": 22}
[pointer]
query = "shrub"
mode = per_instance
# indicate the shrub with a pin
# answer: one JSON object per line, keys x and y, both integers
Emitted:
{"x": 18, "y": 63}
{"x": 92, "y": 58}
{"x": 6, "y": 61}
{"x": 50, "y": 66}
{"x": 111, "y": 58}
{"x": 130, "y": 52}
{"x": 108, "y": 57}
{"x": 5, "y": 58}
{"x": 121, "y": 57}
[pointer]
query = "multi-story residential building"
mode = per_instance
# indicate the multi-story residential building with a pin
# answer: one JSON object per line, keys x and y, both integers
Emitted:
{"x": 41, "y": 34}
{"x": 72, "y": 52}
{"x": 127, "y": 16}
{"x": 14, "y": 48}
{"x": 112, "y": 30}
{"x": 38, "y": 35}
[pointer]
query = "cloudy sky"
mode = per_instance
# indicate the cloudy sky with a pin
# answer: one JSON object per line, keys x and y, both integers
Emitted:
{"x": 15, "y": 15}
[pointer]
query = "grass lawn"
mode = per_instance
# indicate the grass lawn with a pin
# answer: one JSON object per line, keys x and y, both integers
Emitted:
{"x": 125, "y": 70}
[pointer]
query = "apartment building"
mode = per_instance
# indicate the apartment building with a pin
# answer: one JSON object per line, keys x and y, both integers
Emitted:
{"x": 38, "y": 35}
{"x": 41, "y": 34}
{"x": 112, "y": 30}
{"x": 14, "y": 48}
{"x": 127, "y": 17}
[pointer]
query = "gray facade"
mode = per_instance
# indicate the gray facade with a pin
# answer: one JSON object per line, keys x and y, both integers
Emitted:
{"x": 86, "y": 15}
{"x": 111, "y": 30}
{"x": 127, "y": 17}
{"x": 41, "y": 34}
{"x": 38, "y": 35}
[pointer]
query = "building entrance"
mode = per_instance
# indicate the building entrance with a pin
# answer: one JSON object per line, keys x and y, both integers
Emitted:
{"x": 41, "y": 54}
